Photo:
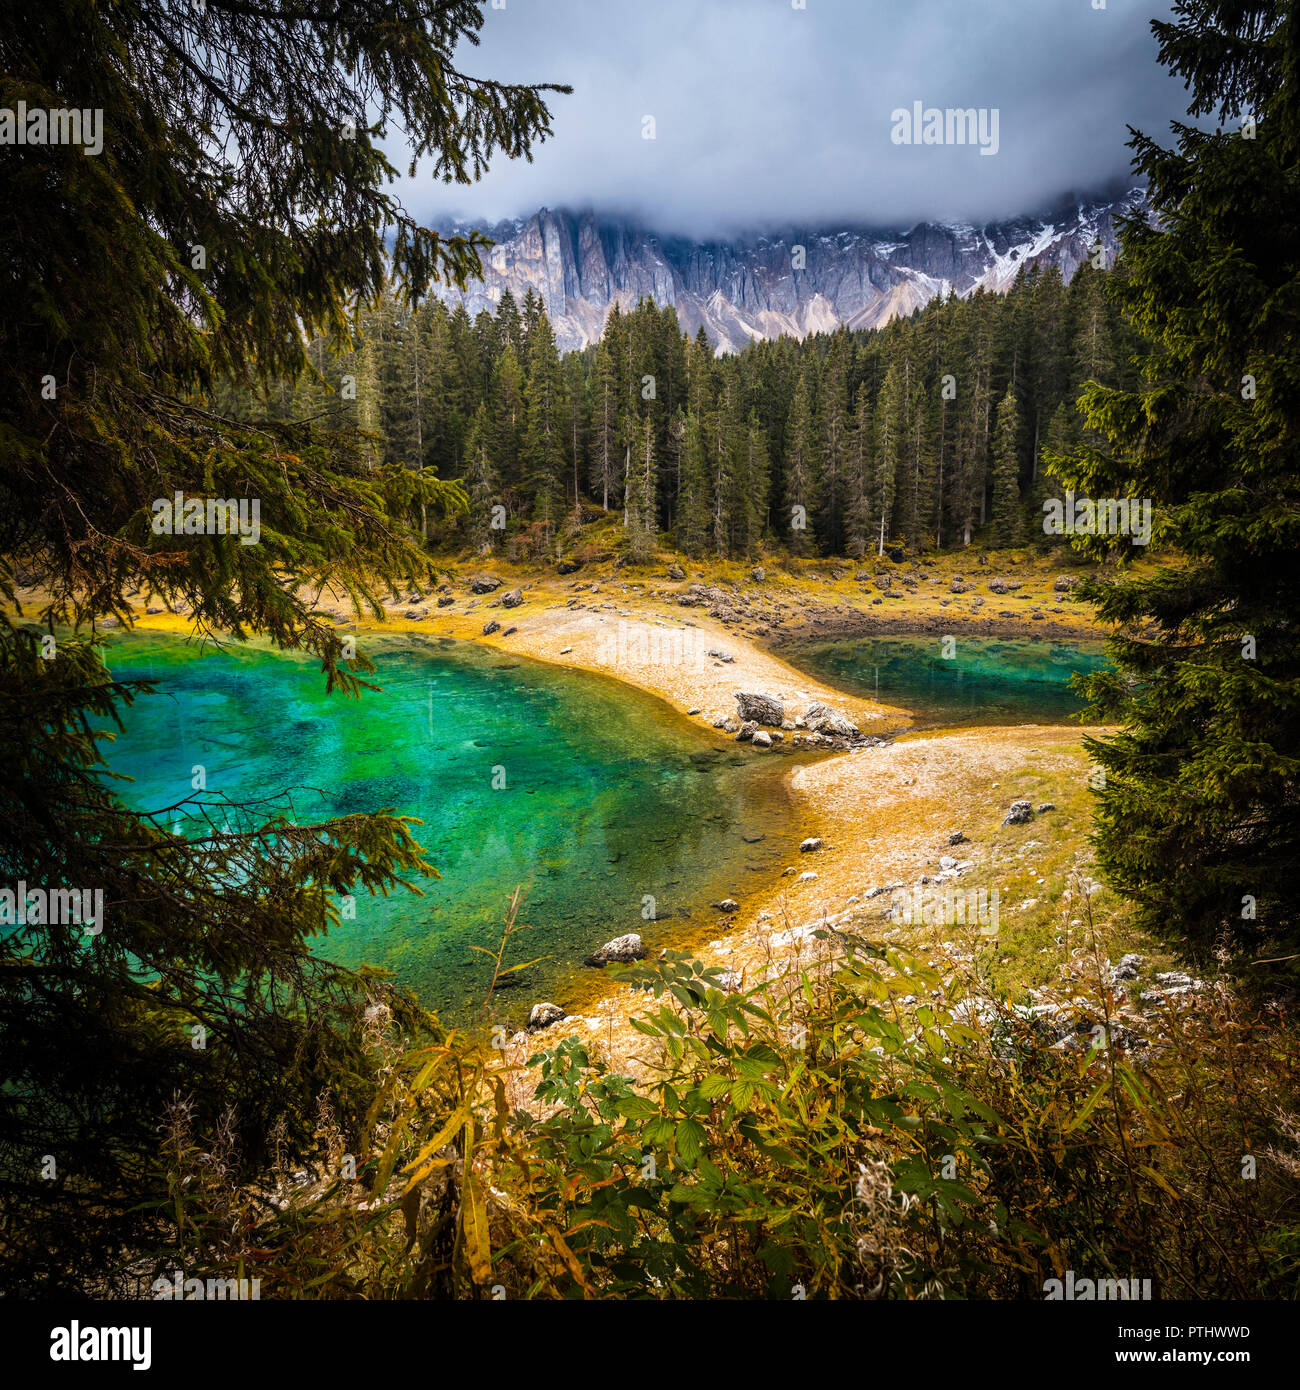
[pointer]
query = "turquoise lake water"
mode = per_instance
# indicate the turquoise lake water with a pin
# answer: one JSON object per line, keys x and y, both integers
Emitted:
{"x": 608, "y": 796}
{"x": 987, "y": 681}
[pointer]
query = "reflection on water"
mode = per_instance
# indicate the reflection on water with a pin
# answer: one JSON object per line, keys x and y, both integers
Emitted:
{"x": 987, "y": 681}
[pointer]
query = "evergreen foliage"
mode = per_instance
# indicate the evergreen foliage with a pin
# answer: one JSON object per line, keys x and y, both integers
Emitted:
{"x": 232, "y": 239}
{"x": 880, "y": 437}
{"x": 1199, "y": 817}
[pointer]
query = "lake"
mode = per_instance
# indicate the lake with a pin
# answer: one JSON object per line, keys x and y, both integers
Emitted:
{"x": 603, "y": 802}
{"x": 986, "y": 681}
{"x": 593, "y": 795}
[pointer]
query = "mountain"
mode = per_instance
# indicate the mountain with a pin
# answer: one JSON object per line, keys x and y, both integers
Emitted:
{"x": 581, "y": 264}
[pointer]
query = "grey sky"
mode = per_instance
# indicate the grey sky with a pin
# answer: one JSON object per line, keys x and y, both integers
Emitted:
{"x": 770, "y": 115}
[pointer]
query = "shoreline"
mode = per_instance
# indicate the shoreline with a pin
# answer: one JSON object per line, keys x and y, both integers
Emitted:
{"x": 877, "y": 810}
{"x": 882, "y": 812}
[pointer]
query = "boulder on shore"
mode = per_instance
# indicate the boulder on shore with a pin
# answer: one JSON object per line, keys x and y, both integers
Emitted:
{"x": 762, "y": 709}
{"x": 822, "y": 719}
{"x": 622, "y": 948}
{"x": 484, "y": 584}
{"x": 543, "y": 1015}
{"x": 490, "y": 627}
{"x": 513, "y": 599}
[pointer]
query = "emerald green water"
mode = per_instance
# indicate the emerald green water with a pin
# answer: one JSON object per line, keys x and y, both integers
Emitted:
{"x": 607, "y": 796}
{"x": 987, "y": 681}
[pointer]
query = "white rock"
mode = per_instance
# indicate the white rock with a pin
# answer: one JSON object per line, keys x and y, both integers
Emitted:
{"x": 543, "y": 1015}
{"x": 622, "y": 948}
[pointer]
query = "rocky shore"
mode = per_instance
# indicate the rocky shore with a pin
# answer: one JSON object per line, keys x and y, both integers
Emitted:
{"x": 877, "y": 814}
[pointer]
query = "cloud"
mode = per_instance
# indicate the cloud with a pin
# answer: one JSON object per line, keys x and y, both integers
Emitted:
{"x": 770, "y": 116}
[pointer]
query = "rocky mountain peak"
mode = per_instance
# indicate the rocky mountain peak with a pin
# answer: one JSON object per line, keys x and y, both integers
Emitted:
{"x": 581, "y": 264}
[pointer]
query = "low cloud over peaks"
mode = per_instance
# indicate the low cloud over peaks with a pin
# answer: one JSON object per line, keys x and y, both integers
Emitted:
{"x": 767, "y": 115}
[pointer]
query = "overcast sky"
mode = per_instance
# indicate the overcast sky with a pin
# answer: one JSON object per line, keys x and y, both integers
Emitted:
{"x": 767, "y": 115}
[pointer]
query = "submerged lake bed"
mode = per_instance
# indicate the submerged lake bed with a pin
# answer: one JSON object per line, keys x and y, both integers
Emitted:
{"x": 616, "y": 814}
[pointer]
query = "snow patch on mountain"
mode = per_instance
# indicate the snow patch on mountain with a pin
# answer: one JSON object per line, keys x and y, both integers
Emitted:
{"x": 744, "y": 290}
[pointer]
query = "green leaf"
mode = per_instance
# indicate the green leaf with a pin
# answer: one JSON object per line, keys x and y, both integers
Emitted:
{"x": 690, "y": 1141}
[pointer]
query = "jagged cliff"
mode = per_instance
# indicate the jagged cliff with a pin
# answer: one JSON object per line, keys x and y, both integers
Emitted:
{"x": 581, "y": 264}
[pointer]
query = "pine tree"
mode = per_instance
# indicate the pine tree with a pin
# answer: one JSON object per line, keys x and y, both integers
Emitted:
{"x": 511, "y": 324}
{"x": 693, "y": 502}
{"x": 604, "y": 420}
{"x": 100, "y": 295}
{"x": 575, "y": 396}
{"x": 800, "y": 474}
{"x": 1007, "y": 524}
{"x": 1199, "y": 817}
{"x": 1048, "y": 327}
{"x": 974, "y": 432}
{"x": 859, "y": 478}
{"x": 1060, "y": 440}
{"x": 544, "y": 432}
{"x": 921, "y": 480}
{"x": 481, "y": 482}
{"x": 642, "y": 525}
{"x": 509, "y": 415}
{"x": 724, "y": 436}
{"x": 756, "y": 479}
{"x": 1094, "y": 352}
{"x": 465, "y": 383}
{"x": 532, "y": 312}
{"x": 891, "y": 434}
{"x": 833, "y": 431}
{"x": 442, "y": 447}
